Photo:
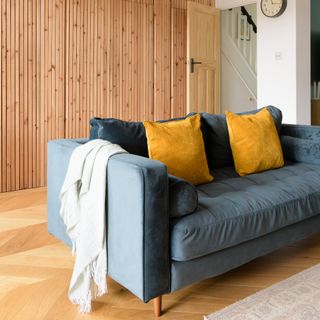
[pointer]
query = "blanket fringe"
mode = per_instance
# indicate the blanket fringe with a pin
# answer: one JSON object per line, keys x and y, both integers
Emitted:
{"x": 97, "y": 288}
{"x": 84, "y": 303}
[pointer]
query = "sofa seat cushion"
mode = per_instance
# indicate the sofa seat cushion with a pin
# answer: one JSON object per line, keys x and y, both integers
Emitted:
{"x": 234, "y": 209}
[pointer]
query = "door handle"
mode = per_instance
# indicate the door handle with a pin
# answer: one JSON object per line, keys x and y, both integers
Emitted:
{"x": 193, "y": 62}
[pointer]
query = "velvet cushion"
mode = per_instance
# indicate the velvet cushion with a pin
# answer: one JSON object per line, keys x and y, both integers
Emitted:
{"x": 301, "y": 150}
{"x": 183, "y": 197}
{"x": 254, "y": 141}
{"x": 216, "y": 137}
{"x": 130, "y": 135}
{"x": 179, "y": 145}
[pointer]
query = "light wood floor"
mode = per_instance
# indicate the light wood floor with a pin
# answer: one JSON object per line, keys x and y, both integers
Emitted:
{"x": 35, "y": 270}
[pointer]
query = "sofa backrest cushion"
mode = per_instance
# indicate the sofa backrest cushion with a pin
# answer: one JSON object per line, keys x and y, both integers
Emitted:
{"x": 216, "y": 137}
{"x": 130, "y": 135}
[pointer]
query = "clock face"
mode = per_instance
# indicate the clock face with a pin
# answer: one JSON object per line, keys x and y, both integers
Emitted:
{"x": 273, "y": 8}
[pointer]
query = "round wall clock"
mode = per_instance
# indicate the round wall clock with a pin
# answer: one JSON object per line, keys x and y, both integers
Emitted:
{"x": 273, "y": 8}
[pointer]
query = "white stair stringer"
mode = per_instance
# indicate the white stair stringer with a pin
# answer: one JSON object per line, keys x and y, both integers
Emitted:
{"x": 240, "y": 65}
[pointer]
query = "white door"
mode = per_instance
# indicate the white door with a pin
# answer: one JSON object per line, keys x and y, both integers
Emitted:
{"x": 203, "y": 57}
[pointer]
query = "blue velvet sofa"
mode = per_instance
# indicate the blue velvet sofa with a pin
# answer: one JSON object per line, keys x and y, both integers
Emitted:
{"x": 152, "y": 251}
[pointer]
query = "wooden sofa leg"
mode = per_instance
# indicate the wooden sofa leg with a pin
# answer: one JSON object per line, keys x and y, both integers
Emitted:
{"x": 157, "y": 306}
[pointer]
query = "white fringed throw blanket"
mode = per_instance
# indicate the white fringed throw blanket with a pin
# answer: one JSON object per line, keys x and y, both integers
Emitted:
{"x": 83, "y": 212}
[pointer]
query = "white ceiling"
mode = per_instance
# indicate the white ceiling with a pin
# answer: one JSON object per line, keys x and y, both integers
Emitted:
{"x": 227, "y": 4}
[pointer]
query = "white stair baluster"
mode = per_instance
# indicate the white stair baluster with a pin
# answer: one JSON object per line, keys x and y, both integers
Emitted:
{"x": 226, "y": 14}
{"x": 239, "y": 31}
{"x": 250, "y": 42}
{"x": 233, "y": 24}
{"x": 254, "y": 45}
{"x": 245, "y": 32}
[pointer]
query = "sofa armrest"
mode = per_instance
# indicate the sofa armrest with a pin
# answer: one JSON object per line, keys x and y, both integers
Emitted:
{"x": 138, "y": 225}
{"x": 301, "y": 131}
{"x": 301, "y": 150}
{"x": 301, "y": 143}
{"x": 59, "y": 153}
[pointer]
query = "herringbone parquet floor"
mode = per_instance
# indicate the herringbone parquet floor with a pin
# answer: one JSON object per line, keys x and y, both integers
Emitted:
{"x": 35, "y": 270}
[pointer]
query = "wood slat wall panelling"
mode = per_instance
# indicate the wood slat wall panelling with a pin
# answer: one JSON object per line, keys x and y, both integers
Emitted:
{"x": 10, "y": 88}
{"x": 3, "y": 95}
{"x": 22, "y": 103}
{"x": 76, "y": 65}
{"x": 149, "y": 43}
{"x": 46, "y": 67}
{"x": 83, "y": 80}
{"x": 60, "y": 65}
{"x": 25, "y": 98}
{"x": 8, "y": 100}
{"x": 84, "y": 90}
{"x": 71, "y": 66}
{"x": 29, "y": 92}
{"x": 162, "y": 59}
{"x": 41, "y": 80}
{"x": 99, "y": 71}
{"x": 3, "y": 111}
{"x": 34, "y": 146}
{"x": 63, "y": 62}
{"x": 16, "y": 165}
{"x": 1, "y": 63}
{"x": 178, "y": 83}
{"x": 67, "y": 75}
{"x": 117, "y": 54}
{"x": 107, "y": 57}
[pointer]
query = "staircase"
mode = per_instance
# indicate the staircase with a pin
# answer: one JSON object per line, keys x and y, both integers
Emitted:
{"x": 239, "y": 46}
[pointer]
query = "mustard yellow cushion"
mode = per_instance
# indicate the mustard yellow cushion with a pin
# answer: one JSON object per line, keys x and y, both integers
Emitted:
{"x": 255, "y": 142}
{"x": 179, "y": 145}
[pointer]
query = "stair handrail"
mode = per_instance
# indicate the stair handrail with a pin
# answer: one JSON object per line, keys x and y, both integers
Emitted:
{"x": 245, "y": 12}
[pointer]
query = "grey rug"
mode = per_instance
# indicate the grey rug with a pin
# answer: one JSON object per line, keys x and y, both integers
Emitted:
{"x": 297, "y": 298}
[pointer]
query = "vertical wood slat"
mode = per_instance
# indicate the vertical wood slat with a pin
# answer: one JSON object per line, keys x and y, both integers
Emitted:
{"x": 16, "y": 105}
{"x": 25, "y": 98}
{"x": 21, "y": 96}
{"x": 162, "y": 57}
{"x": 1, "y": 65}
{"x": 10, "y": 96}
{"x": 63, "y": 62}
{"x": 3, "y": 146}
{"x": 33, "y": 76}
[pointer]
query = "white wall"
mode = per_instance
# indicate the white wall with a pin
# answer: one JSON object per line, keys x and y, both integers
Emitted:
{"x": 284, "y": 61}
{"x": 234, "y": 94}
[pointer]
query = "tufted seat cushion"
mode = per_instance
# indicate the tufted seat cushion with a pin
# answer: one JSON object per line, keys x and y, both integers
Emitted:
{"x": 234, "y": 209}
